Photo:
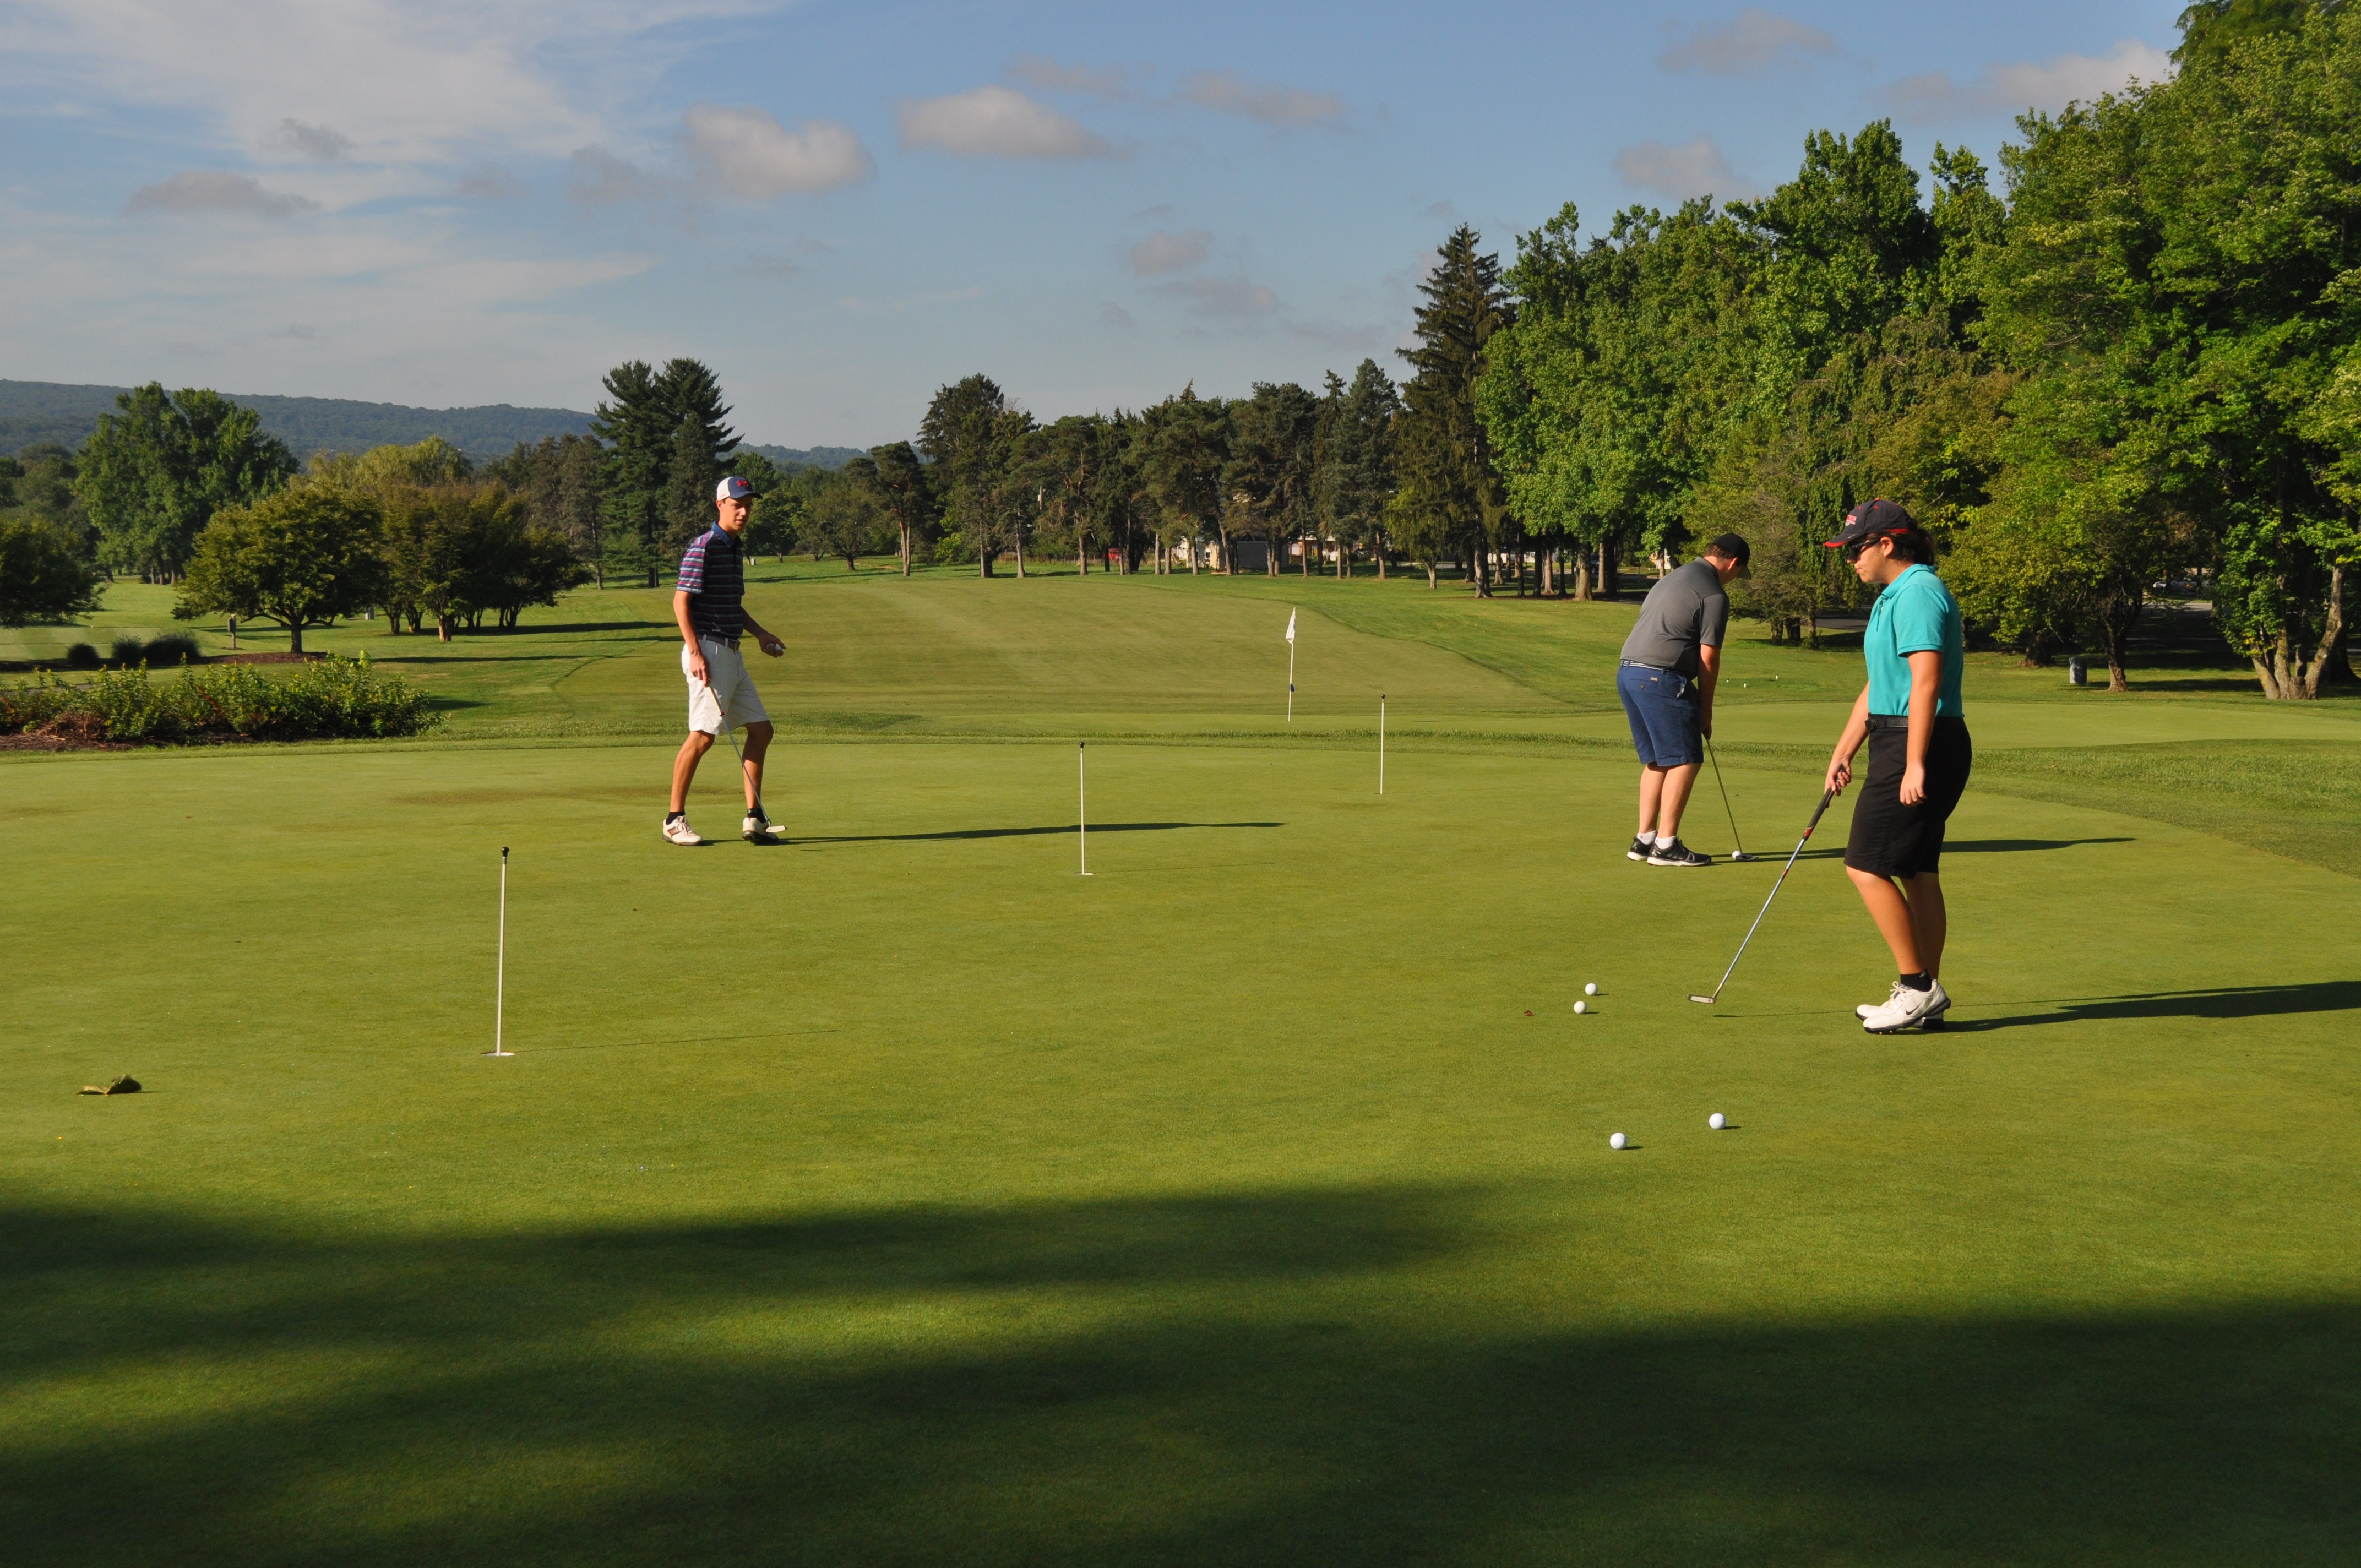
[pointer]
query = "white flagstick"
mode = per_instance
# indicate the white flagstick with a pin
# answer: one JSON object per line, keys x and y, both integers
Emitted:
{"x": 1082, "y": 815}
{"x": 1290, "y": 665}
{"x": 1381, "y": 742}
{"x": 500, "y": 970}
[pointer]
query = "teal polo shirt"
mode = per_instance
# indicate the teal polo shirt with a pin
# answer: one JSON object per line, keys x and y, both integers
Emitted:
{"x": 1915, "y": 614}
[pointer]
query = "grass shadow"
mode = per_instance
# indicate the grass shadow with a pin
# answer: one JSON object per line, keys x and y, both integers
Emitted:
{"x": 2207, "y": 1001}
{"x": 1970, "y": 846}
{"x": 1024, "y": 832}
{"x": 1193, "y": 1379}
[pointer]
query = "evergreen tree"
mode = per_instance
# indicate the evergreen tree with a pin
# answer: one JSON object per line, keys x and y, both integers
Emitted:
{"x": 640, "y": 427}
{"x": 690, "y": 485}
{"x": 1355, "y": 477}
{"x": 1457, "y": 494}
{"x": 963, "y": 435}
{"x": 1274, "y": 454}
{"x": 1186, "y": 445}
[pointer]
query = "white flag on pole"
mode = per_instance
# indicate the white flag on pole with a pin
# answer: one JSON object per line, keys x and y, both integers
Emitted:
{"x": 1290, "y": 626}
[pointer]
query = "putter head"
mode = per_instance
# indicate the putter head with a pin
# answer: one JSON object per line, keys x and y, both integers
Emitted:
{"x": 1706, "y": 1000}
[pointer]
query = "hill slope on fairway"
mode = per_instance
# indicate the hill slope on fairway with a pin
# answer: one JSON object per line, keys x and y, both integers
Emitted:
{"x": 897, "y": 1195}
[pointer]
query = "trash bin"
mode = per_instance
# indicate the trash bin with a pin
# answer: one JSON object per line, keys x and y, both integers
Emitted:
{"x": 2078, "y": 673}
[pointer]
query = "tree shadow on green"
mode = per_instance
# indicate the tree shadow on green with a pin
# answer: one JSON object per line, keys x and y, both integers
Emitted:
{"x": 1248, "y": 1378}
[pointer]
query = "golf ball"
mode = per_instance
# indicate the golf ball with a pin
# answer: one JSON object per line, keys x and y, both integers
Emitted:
{"x": 1590, "y": 990}
{"x": 1614, "y": 1140}
{"x": 1714, "y": 1121}
{"x": 1582, "y": 1007}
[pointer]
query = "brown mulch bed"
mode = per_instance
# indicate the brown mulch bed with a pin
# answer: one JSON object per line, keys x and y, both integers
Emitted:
{"x": 67, "y": 732}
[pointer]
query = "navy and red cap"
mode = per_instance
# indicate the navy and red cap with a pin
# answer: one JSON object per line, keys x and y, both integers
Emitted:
{"x": 1872, "y": 519}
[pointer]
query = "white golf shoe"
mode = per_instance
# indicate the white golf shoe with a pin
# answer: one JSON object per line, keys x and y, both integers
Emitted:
{"x": 757, "y": 829}
{"x": 1866, "y": 1008}
{"x": 1905, "y": 1008}
{"x": 677, "y": 830}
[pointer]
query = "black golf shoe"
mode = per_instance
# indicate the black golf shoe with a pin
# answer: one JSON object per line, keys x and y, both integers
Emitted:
{"x": 1640, "y": 847}
{"x": 1676, "y": 854}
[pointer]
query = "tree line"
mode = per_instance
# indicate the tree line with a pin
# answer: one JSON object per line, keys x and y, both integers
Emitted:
{"x": 2139, "y": 361}
{"x": 2142, "y": 362}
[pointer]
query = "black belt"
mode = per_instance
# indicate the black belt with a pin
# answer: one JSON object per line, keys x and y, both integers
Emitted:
{"x": 729, "y": 642}
{"x": 1902, "y": 720}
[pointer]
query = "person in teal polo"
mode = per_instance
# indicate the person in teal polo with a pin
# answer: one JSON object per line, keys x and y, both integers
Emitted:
{"x": 1918, "y": 756}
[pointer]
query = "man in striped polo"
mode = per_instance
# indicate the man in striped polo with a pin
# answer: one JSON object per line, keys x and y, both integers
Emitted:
{"x": 709, "y": 603}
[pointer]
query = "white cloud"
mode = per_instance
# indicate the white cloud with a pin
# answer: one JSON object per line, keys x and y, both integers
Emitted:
{"x": 995, "y": 122}
{"x": 746, "y": 154}
{"x": 400, "y": 311}
{"x": 601, "y": 179}
{"x": 1221, "y": 296}
{"x": 1112, "y": 83}
{"x": 216, "y": 191}
{"x": 404, "y": 81}
{"x": 2048, "y": 86}
{"x": 1229, "y": 92}
{"x": 315, "y": 142}
{"x": 1163, "y": 252}
{"x": 1694, "y": 168}
{"x": 489, "y": 181}
{"x": 1753, "y": 40}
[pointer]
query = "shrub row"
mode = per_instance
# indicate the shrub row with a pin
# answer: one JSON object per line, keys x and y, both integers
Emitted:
{"x": 331, "y": 697}
{"x": 126, "y": 651}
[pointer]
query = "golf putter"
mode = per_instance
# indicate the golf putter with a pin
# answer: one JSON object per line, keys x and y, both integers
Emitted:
{"x": 1826, "y": 796}
{"x": 1741, "y": 853}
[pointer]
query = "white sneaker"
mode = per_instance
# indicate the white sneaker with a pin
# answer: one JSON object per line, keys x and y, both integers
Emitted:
{"x": 1905, "y": 1008}
{"x": 677, "y": 830}
{"x": 757, "y": 829}
{"x": 1866, "y": 1008}
{"x": 1935, "y": 1009}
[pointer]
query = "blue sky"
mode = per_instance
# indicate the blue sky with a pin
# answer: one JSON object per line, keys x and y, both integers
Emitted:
{"x": 842, "y": 206}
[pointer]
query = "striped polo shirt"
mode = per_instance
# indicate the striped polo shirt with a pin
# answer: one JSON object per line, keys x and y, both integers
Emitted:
{"x": 714, "y": 574}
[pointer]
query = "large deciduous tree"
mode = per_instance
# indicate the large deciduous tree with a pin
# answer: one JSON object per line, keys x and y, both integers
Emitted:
{"x": 42, "y": 576}
{"x": 302, "y": 558}
{"x": 154, "y": 473}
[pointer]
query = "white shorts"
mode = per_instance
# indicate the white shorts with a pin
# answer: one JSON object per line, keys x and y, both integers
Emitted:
{"x": 730, "y": 694}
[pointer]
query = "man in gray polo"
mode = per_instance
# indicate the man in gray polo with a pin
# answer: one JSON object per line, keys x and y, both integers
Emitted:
{"x": 1671, "y": 662}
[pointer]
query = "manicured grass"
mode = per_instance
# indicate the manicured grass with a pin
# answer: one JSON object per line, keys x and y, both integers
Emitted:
{"x": 899, "y": 1196}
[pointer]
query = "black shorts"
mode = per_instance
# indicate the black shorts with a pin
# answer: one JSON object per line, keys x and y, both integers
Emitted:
{"x": 1890, "y": 838}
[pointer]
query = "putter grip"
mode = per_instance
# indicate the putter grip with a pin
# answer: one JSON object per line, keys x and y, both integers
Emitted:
{"x": 1826, "y": 796}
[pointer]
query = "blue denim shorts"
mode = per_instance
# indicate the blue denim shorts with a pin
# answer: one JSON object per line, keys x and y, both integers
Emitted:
{"x": 1662, "y": 706}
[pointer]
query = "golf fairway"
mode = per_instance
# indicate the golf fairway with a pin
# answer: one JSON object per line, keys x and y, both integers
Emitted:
{"x": 896, "y": 1195}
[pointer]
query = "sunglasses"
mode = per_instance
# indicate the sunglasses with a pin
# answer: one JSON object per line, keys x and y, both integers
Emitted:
{"x": 1853, "y": 550}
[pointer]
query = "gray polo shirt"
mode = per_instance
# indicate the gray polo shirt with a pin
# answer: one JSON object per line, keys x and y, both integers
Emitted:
{"x": 1687, "y": 610}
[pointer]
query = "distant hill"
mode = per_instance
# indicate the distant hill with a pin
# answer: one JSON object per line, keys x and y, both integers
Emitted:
{"x": 36, "y": 411}
{"x": 807, "y": 456}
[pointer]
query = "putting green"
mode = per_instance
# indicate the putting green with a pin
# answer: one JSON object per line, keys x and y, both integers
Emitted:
{"x": 899, "y": 1195}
